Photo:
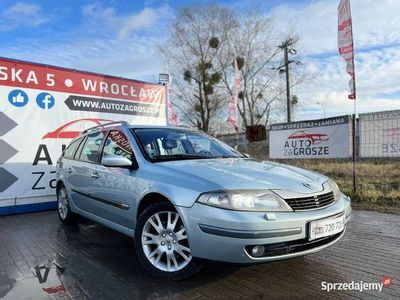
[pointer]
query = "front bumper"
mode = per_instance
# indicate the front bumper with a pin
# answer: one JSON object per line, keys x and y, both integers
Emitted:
{"x": 220, "y": 234}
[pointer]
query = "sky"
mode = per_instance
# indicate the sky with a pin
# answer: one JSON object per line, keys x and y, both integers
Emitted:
{"x": 122, "y": 38}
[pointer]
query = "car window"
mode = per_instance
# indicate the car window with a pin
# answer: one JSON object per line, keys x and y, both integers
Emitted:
{"x": 92, "y": 146}
{"x": 165, "y": 150}
{"x": 69, "y": 152}
{"x": 200, "y": 144}
{"x": 117, "y": 144}
{"x": 78, "y": 152}
{"x": 174, "y": 144}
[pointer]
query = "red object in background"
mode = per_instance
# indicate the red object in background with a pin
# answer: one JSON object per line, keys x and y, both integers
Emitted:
{"x": 316, "y": 138}
{"x": 392, "y": 132}
{"x": 172, "y": 116}
{"x": 55, "y": 290}
{"x": 256, "y": 133}
{"x": 346, "y": 44}
{"x": 62, "y": 132}
{"x": 30, "y": 75}
{"x": 387, "y": 281}
{"x": 233, "y": 101}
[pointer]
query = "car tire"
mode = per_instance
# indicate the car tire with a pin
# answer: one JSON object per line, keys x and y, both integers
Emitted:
{"x": 64, "y": 212}
{"x": 163, "y": 249}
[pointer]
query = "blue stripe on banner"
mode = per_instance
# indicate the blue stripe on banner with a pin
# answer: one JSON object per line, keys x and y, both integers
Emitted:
{"x": 25, "y": 208}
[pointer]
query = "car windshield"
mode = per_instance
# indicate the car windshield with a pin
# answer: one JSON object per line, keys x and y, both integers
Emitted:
{"x": 172, "y": 144}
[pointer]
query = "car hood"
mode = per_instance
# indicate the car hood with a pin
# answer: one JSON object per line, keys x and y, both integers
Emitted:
{"x": 239, "y": 173}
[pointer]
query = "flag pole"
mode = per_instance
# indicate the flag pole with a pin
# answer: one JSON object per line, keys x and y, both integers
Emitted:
{"x": 354, "y": 147}
{"x": 233, "y": 110}
{"x": 237, "y": 139}
{"x": 346, "y": 49}
{"x": 355, "y": 110}
{"x": 237, "y": 123}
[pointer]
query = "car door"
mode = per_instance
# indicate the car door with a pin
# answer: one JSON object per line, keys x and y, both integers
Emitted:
{"x": 117, "y": 188}
{"x": 71, "y": 171}
{"x": 66, "y": 162}
{"x": 84, "y": 171}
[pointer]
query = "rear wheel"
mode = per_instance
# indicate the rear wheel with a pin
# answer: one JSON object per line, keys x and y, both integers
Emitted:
{"x": 162, "y": 244}
{"x": 65, "y": 215}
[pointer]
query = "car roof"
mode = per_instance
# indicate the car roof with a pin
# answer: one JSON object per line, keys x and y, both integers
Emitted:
{"x": 161, "y": 127}
{"x": 181, "y": 128}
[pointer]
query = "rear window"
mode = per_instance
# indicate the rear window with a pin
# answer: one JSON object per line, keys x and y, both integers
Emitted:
{"x": 91, "y": 148}
{"x": 117, "y": 144}
{"x": 69, "y": 152}
{"x": 78, "y": 152}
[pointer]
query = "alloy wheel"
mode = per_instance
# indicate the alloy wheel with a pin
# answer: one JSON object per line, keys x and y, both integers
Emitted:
{"x": 63, "y": 203}
{"x": 165, "y": 243}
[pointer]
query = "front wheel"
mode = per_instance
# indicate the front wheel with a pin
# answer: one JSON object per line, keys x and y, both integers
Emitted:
{"x": 162, "y": 244}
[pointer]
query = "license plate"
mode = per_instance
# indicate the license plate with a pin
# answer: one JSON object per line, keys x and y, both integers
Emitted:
{"x": 326, "y": 227}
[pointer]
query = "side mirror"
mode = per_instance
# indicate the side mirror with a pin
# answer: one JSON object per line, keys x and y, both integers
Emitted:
{"x": 116, "y": 161}
{"x": 246, "y": 155}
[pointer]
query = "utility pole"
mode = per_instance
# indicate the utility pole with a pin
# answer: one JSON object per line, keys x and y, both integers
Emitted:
{"x": 286, "y": 62}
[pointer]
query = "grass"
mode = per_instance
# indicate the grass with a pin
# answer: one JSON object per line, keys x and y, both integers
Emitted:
{"x": 378, "y": 182}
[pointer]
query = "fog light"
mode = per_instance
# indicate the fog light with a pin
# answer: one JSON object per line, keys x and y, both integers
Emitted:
{"x": 257, "y": 251}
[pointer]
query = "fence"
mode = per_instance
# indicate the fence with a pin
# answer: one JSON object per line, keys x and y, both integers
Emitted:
{"x": 378, "y": 153}
{"x": 377, "y": 137}
{"x": 380, "y": 134}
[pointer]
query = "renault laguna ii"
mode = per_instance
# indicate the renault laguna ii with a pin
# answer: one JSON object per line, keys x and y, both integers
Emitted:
{"x": 185, "y": 196}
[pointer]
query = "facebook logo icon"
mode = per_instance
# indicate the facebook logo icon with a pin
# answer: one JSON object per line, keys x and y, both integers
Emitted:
{"x": 45, "y": 100}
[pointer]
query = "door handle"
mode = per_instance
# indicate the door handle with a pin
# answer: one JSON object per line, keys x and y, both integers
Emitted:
{"x": 69, "y": 170}
{"x": 94, "y": 175}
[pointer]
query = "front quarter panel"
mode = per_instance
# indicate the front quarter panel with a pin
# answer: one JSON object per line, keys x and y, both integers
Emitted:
{"x": 179, "y": 189}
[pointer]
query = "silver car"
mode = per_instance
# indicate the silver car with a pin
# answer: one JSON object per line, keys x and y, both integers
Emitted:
{"x": 185, "y": 196}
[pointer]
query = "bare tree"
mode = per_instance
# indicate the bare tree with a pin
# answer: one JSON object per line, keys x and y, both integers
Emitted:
{"x": 203, "y": 43}
{"x": 196, "y": 37}
{"x": 255, "y": 46}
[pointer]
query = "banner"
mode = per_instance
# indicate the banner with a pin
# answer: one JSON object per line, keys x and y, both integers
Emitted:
{"x": 232, "y": 103}
{"x": 43, "y": 107}
{"x": 172, "y": 116}
{"x": 324, "y": 138}
{"x": 345, "y": 43}
{"x": 380, "y": 134}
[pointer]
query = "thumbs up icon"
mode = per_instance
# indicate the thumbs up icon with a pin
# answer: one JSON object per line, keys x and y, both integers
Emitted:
{"x": 19, "y": 98}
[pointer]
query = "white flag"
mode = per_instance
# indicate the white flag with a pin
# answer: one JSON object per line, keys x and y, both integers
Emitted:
{"x": 232, "y": 104}
{"x": 345, "y": 42}
{"x": 172, "y": 117}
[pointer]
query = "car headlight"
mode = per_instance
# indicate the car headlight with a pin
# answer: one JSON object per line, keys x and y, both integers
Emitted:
{"x": 261, "y": 200}
{"x": 330, "y": 184}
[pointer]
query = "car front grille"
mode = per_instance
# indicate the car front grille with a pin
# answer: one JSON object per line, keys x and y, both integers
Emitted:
{"x": 311, "y": 202}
